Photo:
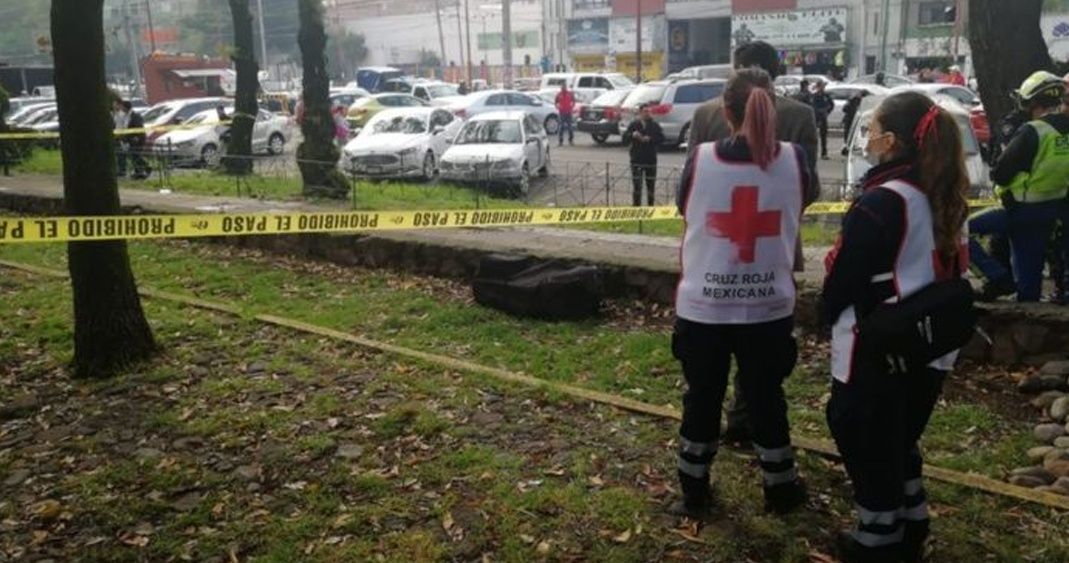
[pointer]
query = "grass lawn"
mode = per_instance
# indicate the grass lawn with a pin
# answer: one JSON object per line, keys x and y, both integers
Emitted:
{"x": 250, "y": 442}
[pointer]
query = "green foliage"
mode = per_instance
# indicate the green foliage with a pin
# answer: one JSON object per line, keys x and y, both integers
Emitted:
{"x": 345, "y": 53}
{"x": 21, "y": 23}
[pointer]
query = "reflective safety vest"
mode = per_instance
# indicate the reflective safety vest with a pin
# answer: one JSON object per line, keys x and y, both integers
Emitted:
{"x": 1049, "y": 177}
{"x": 738, "y": 247}
{"x": 916, "y": 267}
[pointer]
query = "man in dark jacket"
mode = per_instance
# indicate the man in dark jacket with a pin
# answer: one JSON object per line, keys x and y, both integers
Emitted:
{"x": 136, "y": 142}
{"x": 822, "y": 108}
{"x": 644, "y": 135}
{"x": 795, "y": 123}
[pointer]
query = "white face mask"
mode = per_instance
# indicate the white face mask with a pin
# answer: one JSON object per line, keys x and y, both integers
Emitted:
{"x": 871, "y": 158}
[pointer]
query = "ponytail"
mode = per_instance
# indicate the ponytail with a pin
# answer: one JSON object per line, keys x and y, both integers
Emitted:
{"x": 749, "y": 106}
{"x": 759, "y": 127}
{"x": 943, "y": 177}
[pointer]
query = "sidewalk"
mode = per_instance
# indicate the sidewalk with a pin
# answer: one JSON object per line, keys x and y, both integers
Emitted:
{"x": 653, "y": 253}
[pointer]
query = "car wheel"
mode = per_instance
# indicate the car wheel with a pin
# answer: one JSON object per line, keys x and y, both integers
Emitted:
{"x": 599, "y": 138}
{"x": 276, "y": 144}
{"x": 523, "y": 186}
{"x": 552, "y": 125}
{"x": 209, "y": 155}
{"x": 428, "y": 166}
{"x": 684, "y": 136}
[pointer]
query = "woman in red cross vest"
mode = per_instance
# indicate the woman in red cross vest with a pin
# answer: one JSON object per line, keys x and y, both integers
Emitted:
{"x": 742, "y": 200}
{"x": 903, "y": 234}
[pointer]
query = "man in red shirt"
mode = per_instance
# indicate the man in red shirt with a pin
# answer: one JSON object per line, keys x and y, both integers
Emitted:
{"x": 955, "y": 76}
{"x": 565, "y": 107}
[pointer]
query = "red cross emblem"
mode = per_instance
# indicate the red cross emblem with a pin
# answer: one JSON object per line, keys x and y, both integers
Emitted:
{"x": 744, "y": 224}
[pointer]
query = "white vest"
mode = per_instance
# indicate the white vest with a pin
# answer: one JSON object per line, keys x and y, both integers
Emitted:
{"x": 742, "y": 225}
{"x": 914, "y": 269}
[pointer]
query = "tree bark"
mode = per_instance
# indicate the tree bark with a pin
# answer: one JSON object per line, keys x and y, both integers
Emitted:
{"x": 1007, "y": 46}
{"x": 110, "y": 330}
{"x": 317, "y": 156}
{"x": 239, "y": 148}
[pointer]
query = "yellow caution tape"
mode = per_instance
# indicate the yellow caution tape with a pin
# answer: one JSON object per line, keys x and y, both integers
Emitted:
{"x": 131, "y": 227}
{"x": 65, "y": 229}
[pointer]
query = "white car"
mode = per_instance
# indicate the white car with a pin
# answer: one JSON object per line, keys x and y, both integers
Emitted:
{"x": 508, "y": 100}
{"x": 841, "y": 94}
{"x": 174, "y": 112}
{"x": 439, "y": 94}
{"x": 585, "y": 85}
{"x": 204, "y": 140}
{"x": 27, "y": 115}
{"x": 857, "y": 166}
{"x": 498, "y": 149}
{"x": 401, "y": 143}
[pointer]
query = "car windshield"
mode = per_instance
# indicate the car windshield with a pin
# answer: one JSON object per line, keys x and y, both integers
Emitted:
{"x": 620, "y": 81}
{"x": 207, "y": 117}
{"x": 405, "y": 124}
{"x": 155, "y": 113}
{"x": 442, "y": 90}
{"x": 612, "y": 98}
{"x": 645, "y": 93}
{"x": 506, "y": 131}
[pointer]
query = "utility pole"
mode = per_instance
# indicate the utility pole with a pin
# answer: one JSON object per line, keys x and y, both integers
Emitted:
{"x": 562, "y": 35}
{"x": 506, "y": 30}
{"x": 151, "y": 28}
{"x": 135, "y": 62}
{"x": 886, "y": 28}
{"x": 263, "y": 35}
{"x": 467, "y": 18}
{"x": 638, "y": 42}
{"x": 460, "y": 43}
{"x": 441, "y": 35}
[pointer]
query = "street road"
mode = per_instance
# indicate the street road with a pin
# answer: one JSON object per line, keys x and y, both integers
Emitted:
{"x": 592, "y": 174}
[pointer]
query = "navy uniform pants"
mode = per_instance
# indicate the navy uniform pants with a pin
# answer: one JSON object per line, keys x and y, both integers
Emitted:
{"x": 765, "y": 354}
{"x": 877, "y": 419}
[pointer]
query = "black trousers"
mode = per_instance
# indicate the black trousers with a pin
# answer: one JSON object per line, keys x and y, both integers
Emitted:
{"x": 822, "y": 126}
{"x": 643, "y": 171}
{"x": 877, "y": 420}
{"x": 765, "y": 354}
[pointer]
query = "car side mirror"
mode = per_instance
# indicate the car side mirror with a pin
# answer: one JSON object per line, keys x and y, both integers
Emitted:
{"x": 532, "y": 140}
{"x": 438, "y": 130}
{"x": 845, "y": 151}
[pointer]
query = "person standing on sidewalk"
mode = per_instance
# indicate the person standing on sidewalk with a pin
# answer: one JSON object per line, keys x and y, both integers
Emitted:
{"x": 822, "y": 108}
{"x": 742, "y": 200}
{"x": 565, "y": 106}
{"x": 796, "y": 124}
{"x": 644, "y": 135}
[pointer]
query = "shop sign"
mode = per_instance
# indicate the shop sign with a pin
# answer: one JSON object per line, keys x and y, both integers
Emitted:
{"x": 794, "y": 28}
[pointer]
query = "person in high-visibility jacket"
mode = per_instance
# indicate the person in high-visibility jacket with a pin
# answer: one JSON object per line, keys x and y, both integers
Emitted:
{"x": 1032, "y": 178}
{"x": 742, "y": 199}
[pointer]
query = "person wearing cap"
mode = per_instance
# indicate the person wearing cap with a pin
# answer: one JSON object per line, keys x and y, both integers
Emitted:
{"x": 954, "y": 76}
{"x": 1032, "y": 180}
{"x": 822, "y": 105}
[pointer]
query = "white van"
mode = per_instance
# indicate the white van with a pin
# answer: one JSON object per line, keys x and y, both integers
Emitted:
{"x": 856, "y": 166}
{"x": 586, "y": 85}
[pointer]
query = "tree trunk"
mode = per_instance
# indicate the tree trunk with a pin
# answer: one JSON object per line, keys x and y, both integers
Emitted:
{"x": 110, "y": 331}
{"x": 239, "y": 148}
{"x": 1007, "y": 46}
{"x": 317, "y": 156}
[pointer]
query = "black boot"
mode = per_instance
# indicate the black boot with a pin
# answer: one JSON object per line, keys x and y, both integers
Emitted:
{"x": 785, "y": 497}
{"x": 852, "y": 552}
{"x": 696, "y": 506}
{"x": 913, "y": 541}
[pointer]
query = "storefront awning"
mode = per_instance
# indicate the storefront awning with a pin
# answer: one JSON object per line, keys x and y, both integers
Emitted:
{"x": 201, "y": 72}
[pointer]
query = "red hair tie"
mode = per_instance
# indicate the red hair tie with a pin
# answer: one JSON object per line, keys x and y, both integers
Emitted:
{"x": 926, "y": 125}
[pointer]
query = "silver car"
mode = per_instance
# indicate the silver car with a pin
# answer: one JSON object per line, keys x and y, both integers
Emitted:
{"x": 672, "y": 104}
{"x": 508, "y": 100}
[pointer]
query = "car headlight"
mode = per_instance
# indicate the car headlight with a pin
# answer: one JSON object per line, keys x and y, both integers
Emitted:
{"x": 505, "y": 165}
{"x": 183, "y": 145}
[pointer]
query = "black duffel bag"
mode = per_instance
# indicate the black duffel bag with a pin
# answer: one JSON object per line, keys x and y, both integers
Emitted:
{"x": 924, "y": 327}
{"x": 548, "y": 290}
